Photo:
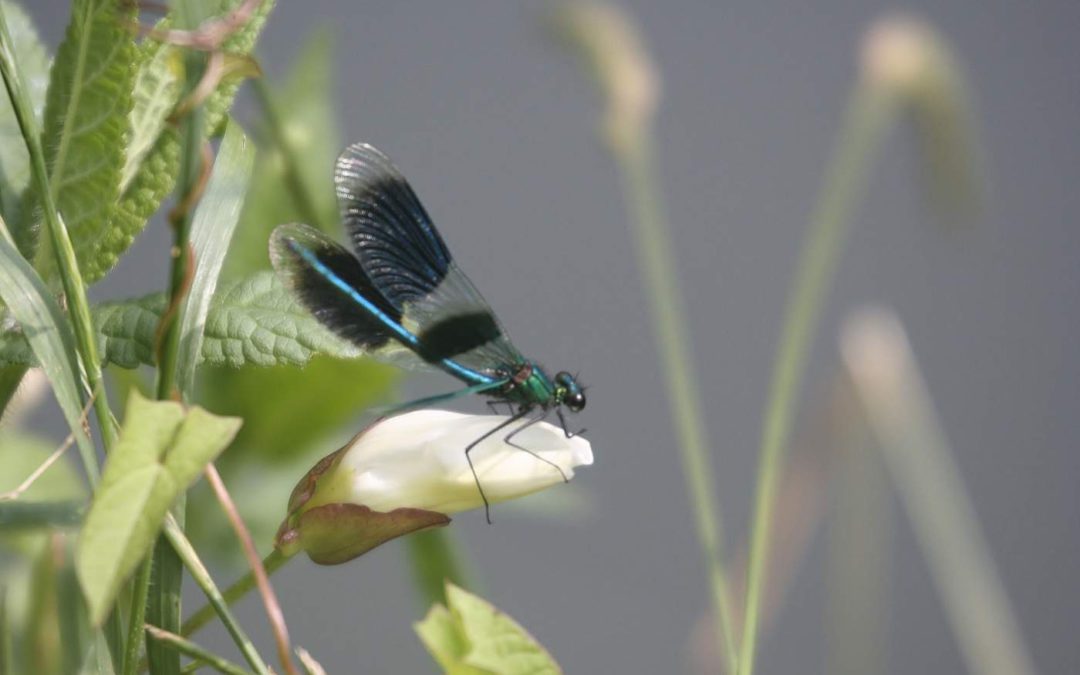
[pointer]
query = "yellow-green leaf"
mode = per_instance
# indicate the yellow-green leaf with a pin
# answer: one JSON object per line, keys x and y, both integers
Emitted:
{"x": 471, "y": 636}
{"x": 162, "y": 449}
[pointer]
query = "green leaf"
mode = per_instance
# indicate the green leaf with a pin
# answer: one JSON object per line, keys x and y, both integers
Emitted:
{"x": 153, "y": 159}
{"x": 49, "y": 335}
{"x": 251, "y": 322}
{"x": 294, "y": 183}
{"x": 34, "y": 63}
{"x": 258, "y": 322}
{"x": 211, "y": 231}
{"x": 472, "y": 637}
{"x": 161, "y": 451}
{"x": 157, "y": 88}
{"x": 86, "y": 130}
{"x": 240, "y": 43}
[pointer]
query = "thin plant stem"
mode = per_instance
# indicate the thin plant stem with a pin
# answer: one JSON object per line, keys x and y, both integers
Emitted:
{"x": 868, "y": 115}
{"x": 137, "y": 616}
{"x": 244, "y": 585}
{"x": 6, "y": 659}
{"x": 167, "y": 575}
{"x": 202, "y": 578}
{"x": 657, "y": 264}
{"x": 70, "y": 277}
{"x": 193, "y": 650}
{"x": 262, "y": 580}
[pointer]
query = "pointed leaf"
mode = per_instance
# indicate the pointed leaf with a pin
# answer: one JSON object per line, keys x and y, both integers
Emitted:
{"x": 211, "y": 231}
{"x": 157, "y": 89}
{"x": 471, "y": 636}
{"x": 445, "y": 641}
{"x": 15, "y": 167}
{"x": 162, "y": 449}
{"x": 48, "y": 332}
{"x": 86, "y": 129}
{"x": 152, "y": 162}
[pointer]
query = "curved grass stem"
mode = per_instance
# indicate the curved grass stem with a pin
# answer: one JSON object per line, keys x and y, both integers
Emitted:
{"x": 202, "y": 578}
{"x": 868, "y": 116}
{"x": 657, "y": 264}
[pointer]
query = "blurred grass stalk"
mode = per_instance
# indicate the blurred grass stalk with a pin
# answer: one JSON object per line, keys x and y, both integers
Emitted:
{"x": 628, "y": 79}
{"x": 859, "y": 547}
{"x": 905, "y": 66}
{"x": 897, "y": 404}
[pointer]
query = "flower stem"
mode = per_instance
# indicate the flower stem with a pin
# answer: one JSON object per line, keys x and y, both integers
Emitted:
{"x": 657, "y": 264}
{"x": 868, "y": 115}
{"x": 244, "y": 585}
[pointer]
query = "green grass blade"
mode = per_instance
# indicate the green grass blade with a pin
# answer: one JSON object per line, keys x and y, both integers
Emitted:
{"x": 47, "y": 330}
{"x": 211, "y": 231}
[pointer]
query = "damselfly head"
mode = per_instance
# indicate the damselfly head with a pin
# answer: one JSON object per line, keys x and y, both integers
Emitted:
{"x": 569, "y": 392}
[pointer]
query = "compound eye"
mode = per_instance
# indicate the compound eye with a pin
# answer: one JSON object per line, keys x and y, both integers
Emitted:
{"x": 576, "y": 401}
{"x": 564, "y": 379}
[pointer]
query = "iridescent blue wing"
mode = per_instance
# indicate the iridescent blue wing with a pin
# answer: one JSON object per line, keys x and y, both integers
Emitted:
{"x": 330, "y": 283}
{"x": 406, "y": 260}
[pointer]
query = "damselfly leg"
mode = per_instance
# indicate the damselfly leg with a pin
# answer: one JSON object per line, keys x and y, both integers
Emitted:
{"x": 539, "y": 418}
{"x": 562, "y": 421}
{"x": 487, "y": 434}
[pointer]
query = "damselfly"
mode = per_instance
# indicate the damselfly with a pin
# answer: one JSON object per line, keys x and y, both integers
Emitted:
{"x": 396, "y": 291}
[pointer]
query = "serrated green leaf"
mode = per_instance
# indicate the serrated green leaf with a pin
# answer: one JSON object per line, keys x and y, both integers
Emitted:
{"x": 147, "y": 183}
{"x": 303, "y": 108}
{"x": 49, "y": 335}
{"x": 157, "y": 89}
{"x": 258, "y": 322}
{"x": 472, "y": 637}
{"x": 211, "y": 231}
{"x": 86, "y": 130}
{"x": 240, "y": 43}
{"x": 251, "y": 322}
{"x": 34, "y": 63}
{"x": 161, "y": 451}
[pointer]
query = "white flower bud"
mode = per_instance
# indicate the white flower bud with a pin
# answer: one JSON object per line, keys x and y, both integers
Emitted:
{"x": 417, "y": 460}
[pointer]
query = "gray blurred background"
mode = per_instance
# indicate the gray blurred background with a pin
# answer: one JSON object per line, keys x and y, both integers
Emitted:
{"x": 496, "y": 126}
